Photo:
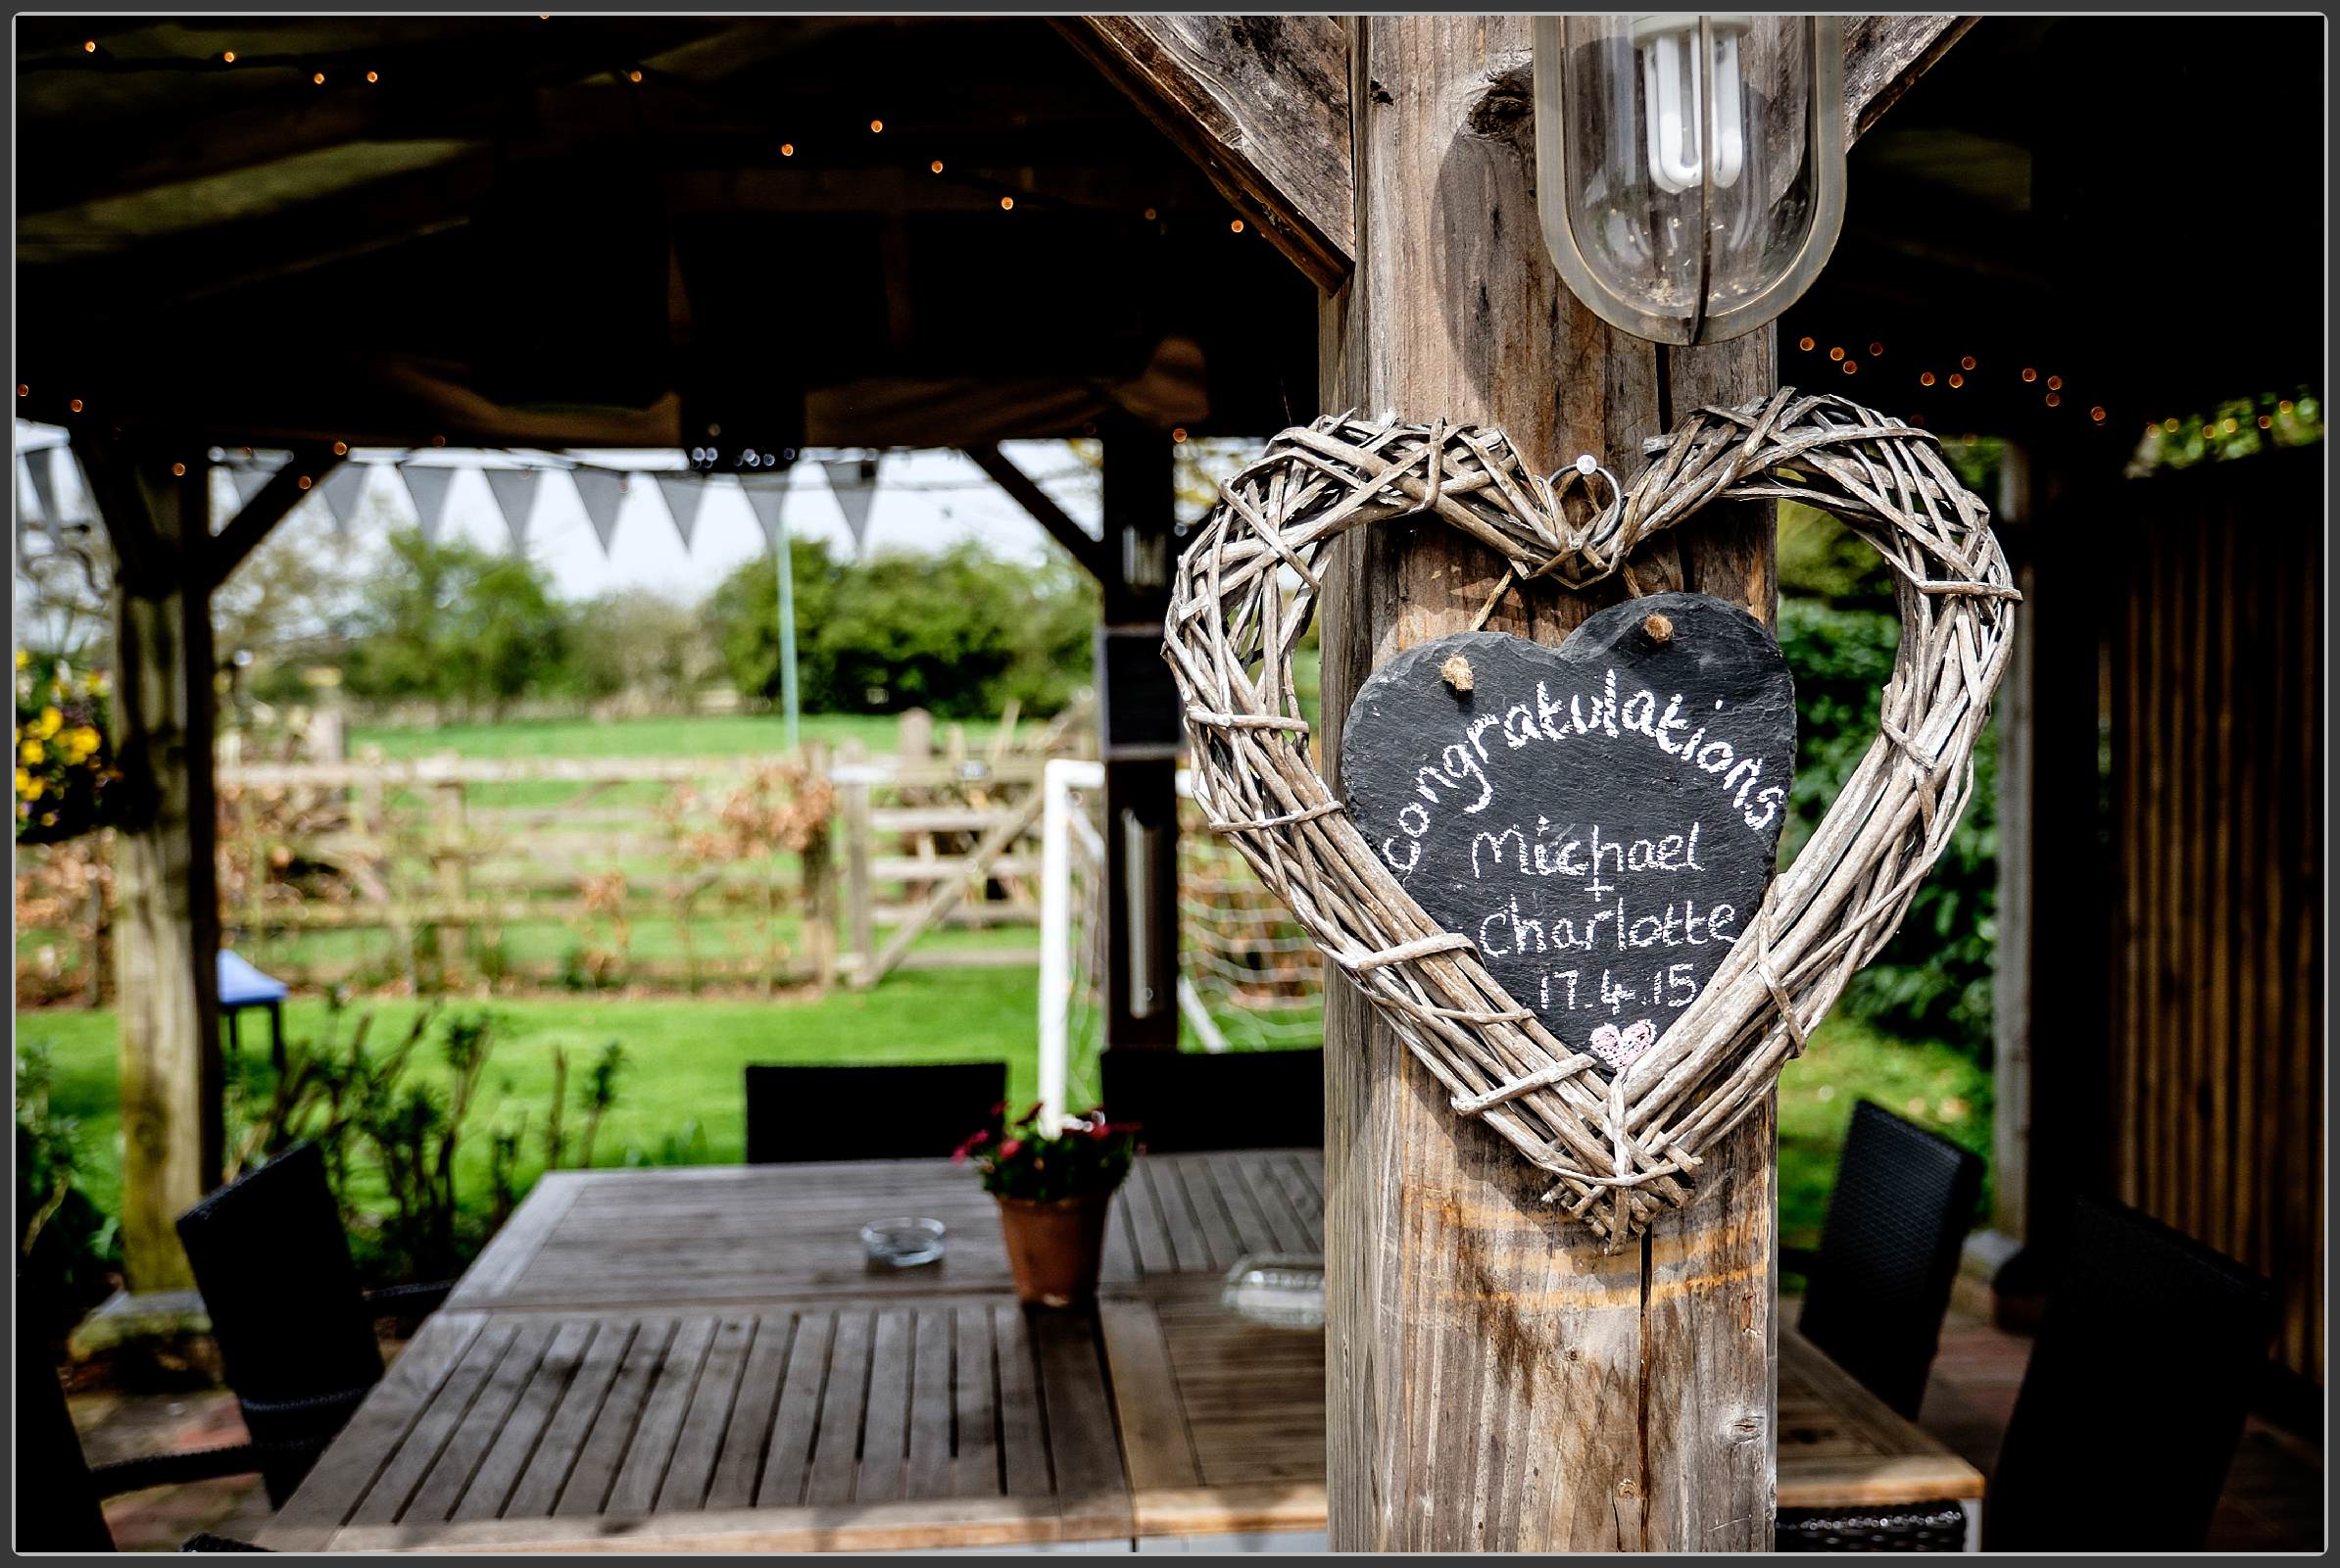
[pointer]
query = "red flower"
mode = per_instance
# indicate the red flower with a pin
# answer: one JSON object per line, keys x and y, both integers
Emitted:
{"x": 1007, "y": 1150}
{"x": 975, "y": 1140}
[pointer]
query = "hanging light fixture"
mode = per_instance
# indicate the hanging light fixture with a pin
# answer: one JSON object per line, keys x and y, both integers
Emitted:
{"x": 1690, "y": 169}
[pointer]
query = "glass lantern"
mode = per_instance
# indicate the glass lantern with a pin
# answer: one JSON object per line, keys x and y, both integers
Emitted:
{"x": 1689, "y": 170}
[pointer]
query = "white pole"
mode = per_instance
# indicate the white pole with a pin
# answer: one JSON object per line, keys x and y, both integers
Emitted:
{"x": 1058, "y": 778}
{"x": 788, "y": 629}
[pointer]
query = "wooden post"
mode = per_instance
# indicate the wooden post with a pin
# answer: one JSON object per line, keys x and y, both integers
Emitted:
{"x": 166, "y": 880}
{"x": 1494, "y": 1381}
{"x": 1137, "y": 734}
{"x": 854, "y": 815}
{"x": 819, "y": 869}
{"x": 452, "y": 857}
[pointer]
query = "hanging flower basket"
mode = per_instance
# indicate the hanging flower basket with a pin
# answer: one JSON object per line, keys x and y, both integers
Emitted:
{"x": 65, "y": 765}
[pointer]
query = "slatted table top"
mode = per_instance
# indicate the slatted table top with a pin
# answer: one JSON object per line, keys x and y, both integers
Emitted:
{"x": 843, "y": 1410}
{"x": 1841, "y": 1446}
{"x": 707, "y": 1236}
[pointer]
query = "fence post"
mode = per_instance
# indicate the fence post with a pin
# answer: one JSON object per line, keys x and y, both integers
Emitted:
{"x": 821, "y": 882}
{"x": 453, "y": 860}
{"x": 854, "y": 815}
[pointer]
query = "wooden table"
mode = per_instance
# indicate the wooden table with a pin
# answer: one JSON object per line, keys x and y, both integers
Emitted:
{"x": 700, "y": 1359}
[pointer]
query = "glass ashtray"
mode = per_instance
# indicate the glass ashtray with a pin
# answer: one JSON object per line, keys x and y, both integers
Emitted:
{"x": 1282, "y": 1290}
{"x": 902, "y": 1243}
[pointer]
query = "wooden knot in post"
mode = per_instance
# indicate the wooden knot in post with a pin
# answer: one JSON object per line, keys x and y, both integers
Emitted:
{"x": 1659, "y": 629}
{"x": 1457, "y": 670}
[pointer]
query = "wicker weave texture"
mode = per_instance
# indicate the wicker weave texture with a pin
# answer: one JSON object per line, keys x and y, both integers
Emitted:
{"x": 1246, "y": 587}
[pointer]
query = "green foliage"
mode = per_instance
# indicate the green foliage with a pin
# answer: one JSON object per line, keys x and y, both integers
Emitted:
{"x": 67, "y": 1247}
{"x": 961, "y": 634}
{"x": 2239, "y": 427}
{"x": 1019, "y": 1159}
{"x": 393, "y": 1134}
{"x": 1838, "y": 631}
{"x": 454, "y": 624}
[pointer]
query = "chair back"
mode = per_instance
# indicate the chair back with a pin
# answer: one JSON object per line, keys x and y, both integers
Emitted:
{"x": 2149, "y": 1354}
{"x": 913, "y": 1112}
{"x": 57, "y": 1500}
{"x": 295, "y": 1335}
{"x": 1888, "y": 1253}
{"x": 1184, "y": 1100}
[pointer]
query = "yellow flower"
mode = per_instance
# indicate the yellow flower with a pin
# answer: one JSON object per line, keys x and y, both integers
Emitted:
{"x": 51, "y": 722}
{"x": 23, "y": 658}
{"x": 31, "y": 752}
{"x": 96, "y": 682}
{"x": 28, "y": 786}
{"x": 82, "y": 741}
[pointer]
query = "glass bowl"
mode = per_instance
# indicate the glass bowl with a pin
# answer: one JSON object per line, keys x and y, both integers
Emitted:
{"x": 903, "y": 1243}
{"x": 1282, "y": 1290}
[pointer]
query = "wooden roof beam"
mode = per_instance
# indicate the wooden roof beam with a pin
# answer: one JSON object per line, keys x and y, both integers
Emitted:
{"x": 1087, "y": 551}
{"x": 1883, "y": 56}
{"x": 1261, "y": 104}
{"x": 242, "y": 533}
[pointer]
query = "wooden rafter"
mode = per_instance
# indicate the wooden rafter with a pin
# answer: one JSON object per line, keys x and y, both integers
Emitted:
{"x": 242, "y": 533}
{"x": 1261, "y": 103}
{"x": 1883, "y": 56}
{"x": 1087, "y": 551}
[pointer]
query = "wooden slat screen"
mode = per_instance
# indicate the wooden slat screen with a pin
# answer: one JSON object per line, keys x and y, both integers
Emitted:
{"x": 2217, "y": 796}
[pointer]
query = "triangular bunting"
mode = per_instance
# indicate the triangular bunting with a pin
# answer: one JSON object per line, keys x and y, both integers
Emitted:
{"x": 766, "y": 494}
{"x": 344, "y": 488}
{"x": 516, "y": 490}
{"x": 683, "y": 492}
{"x": 602, "y": 491}
{"x": 41, "y": 464}
{"x": 853, "y": 482}
{"x": 429, "y": 487}
{"x": 248, "y": 482}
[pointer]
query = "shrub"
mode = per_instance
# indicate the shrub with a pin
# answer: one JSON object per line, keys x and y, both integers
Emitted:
{"x": 1838, "y": 629}
{"x": 452, "y": 624}
{"x": 1088, "y": 1154}
{"x": 66, "y": 1250}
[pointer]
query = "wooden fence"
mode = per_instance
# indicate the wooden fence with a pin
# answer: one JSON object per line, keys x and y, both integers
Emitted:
{"x": 443, "y": 854}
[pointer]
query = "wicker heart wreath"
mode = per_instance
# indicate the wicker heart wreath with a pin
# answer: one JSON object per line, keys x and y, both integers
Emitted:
{"x": 1618, "y": 1153}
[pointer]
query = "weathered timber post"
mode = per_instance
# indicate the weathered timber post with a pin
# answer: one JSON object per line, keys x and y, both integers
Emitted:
{"x": 452, "y": 855}
{"x": 852, "y": 798}
{"x": 166, "y": 879}
{"x": 818, "y": 870}
{"x": 1137, "y": 733}
{"x": 1494, "y": 1380}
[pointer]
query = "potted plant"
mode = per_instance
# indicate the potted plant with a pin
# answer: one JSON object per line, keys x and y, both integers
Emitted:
{"x": 1053, "y": 1185}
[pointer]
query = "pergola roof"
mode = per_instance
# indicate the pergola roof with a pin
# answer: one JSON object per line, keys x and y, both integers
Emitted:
{"x": 502, "y": 237}
{"x": 2125, "y": 202}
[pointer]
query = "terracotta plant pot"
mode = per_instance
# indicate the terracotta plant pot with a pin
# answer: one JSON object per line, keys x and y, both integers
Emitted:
{"x": 1055, "y": 1247}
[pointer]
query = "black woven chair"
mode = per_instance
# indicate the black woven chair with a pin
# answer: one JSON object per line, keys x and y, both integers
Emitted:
{"x": 1877, "y": 1287}
{"x": 913, "y": 1112}
{"x": 60, "y": 1494}
{"x": 2149, "y": 1354}
{"x": 1183, "y": 1101}
{"x": 295, "y": 1330}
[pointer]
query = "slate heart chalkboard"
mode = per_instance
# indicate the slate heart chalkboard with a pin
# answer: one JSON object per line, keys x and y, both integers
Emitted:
{"x": 1599, "y": 818}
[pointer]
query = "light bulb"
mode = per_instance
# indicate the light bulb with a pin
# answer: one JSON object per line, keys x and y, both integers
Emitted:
{"x": 1673, "y": 85}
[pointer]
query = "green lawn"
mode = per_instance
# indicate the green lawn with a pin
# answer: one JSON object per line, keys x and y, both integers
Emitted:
{"x": 686, "y": 1060}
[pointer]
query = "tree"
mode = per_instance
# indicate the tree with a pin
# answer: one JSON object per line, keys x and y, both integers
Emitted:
{"x": 642, "y": 643}
{"x": 452, "y": 624}
{"x": 960, "y": 633}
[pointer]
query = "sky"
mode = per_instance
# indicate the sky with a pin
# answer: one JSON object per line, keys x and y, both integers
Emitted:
{"x": 925, "y": 501}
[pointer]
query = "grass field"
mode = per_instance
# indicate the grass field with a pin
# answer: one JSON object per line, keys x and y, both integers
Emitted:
{"x": 681, "y": 1097}
{"x": 691, "y": 735}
